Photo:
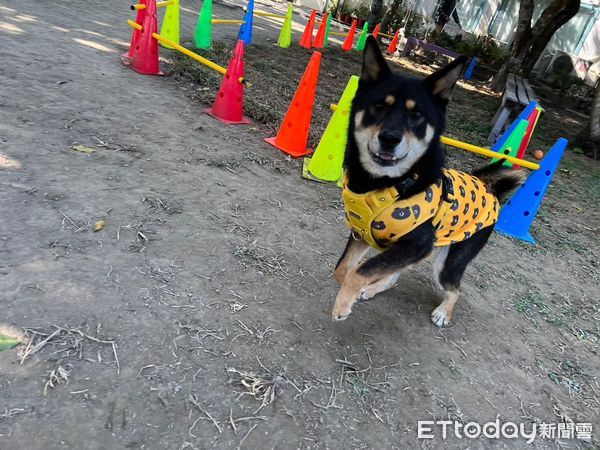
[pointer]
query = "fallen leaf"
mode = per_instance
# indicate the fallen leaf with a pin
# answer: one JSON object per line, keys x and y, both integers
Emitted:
{"x": 99, "y": 225}
{"x": 83, "y": 149}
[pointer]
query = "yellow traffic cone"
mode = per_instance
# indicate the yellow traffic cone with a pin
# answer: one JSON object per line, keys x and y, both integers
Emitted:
{"x": 285, "y": 37}
{"x": 170, "y": 25}
{"x": 326, "y": 163}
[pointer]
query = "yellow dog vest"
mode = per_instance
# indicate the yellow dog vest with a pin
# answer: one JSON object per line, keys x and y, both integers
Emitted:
{"x": 459, "y": 208}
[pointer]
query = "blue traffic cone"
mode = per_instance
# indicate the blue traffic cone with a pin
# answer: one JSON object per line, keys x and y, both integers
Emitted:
{"x": 523, "y": 116}
{"x": 519, "y": 212}
{"x": 469, "y": 71}
{"x": 245, "y": 33}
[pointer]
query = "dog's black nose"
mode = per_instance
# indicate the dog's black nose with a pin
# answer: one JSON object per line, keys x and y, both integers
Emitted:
{"x": 389, "y": 139}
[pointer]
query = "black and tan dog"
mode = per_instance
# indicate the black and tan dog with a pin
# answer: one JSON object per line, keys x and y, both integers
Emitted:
{"x": 398, "y": 196}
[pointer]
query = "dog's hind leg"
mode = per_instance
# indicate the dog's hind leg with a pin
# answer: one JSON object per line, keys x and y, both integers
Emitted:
{"x": 353, "y": 253}
{"x": 448, "y": 269}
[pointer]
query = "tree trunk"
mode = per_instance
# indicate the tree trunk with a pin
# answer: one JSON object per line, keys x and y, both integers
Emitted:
{"x": 588, "y": 138}
{"x": 529, "y": 43}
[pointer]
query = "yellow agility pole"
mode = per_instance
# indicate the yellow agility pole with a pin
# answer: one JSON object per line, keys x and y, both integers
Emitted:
{"x": 266, "y": 14}
{"x": 337, "y": 33}
{"x": 158, "y": 5}
{"x": 185, "y": 51}
{"x": 138, "y": 27}
{"x": 479, "y": 150}
{"x": 226, "y": 22}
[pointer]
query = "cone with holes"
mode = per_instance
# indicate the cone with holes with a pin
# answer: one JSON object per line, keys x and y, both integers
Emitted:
{"x": 519, "y": 212}
{"x": 145, "y": 53}
{"x": 320, "y": 39}
{"x": 394, "y": 44}
{"x": 293, "y": 134}
{"x": 229, "y": 105}
{"x": 532, "y": 121}
{"x": 375, "y": 33}
{"x": 285, "y": 36}
{"x": 136, "y": 33}
{"x": 307, "y": 36}
{"x": 349, "y": 41}
{"x": 326, "y": 163}
{"x": 170, "y": 25}
{"x": 245, "y": 33}
{"x": 362, "y": 40}
{"x": 512, "y": 144}
{"x": 203, "y": 33}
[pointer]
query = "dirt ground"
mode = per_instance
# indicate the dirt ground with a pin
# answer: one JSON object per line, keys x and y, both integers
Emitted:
{"x": 199, "y": 317}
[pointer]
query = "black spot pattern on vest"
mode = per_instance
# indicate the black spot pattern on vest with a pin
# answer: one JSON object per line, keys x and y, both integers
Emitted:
{"x": 495, "y": 205}
{"x": 416, "y": 209}
{"x": 479, "y": 225}
{"x": 428, "y": 195}
{"x": 483, "y": 201}
{"x": 392, "y": 235}
{"x": 467, "y": 234}
{"x": 450, "y": 188}
{"x": 449, "y": 234}
{"x": 383, "y": 241}
{"x": 438, "y": 183}
{"x": 432, "y": 211}
{"x": 454, "y": 206}
{"x": 466, "y": 222}
{"x": 475, "y": 213}
{"x": 454, "y": 220}
{"x": 473, "y": 196}
{"x": 401, "y": 213}
{"x": 488, "y": 216}
{"x": 466, "y": 210}
{"x": 378, "y": 225}
{"x": 462, "y": 191}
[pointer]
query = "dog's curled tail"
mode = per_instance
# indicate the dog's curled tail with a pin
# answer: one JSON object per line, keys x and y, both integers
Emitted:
{"x": 501, "y": 179}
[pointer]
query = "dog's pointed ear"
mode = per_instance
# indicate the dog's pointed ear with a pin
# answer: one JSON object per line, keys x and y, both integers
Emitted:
{"x": 442, "y": 82}
{"x": 374, "y": 65}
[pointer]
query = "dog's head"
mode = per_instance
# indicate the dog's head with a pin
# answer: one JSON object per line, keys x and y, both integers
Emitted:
{"x": 396, "y": 119}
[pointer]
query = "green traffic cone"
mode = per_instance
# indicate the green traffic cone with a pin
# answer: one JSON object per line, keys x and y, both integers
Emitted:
{"x": 170, "y": 25}
{"x": 327, "y": 30}
{"x": 285, "y": 37}
{"x": 203, "y": 34}
{"x": 512, "y": 144}
{"x": 362, "y": 40}
{"x": 326, "y": 163}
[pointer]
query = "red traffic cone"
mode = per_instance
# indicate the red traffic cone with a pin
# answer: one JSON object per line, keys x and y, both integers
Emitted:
{"x": 145, "y": 53}
{"x": 293, "y": 134}
{"x": 320, "y": 39}
{"x": 376, "y": 31}
{"x": 307, "y": 36}
{"x": 394, "y": 44}
{"x": 229, "y": 105}
{"x": 136, "y": 33}
{"x": 349, "y": 42}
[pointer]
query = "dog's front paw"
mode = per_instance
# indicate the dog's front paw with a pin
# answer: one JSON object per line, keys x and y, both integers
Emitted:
{"x": 440, "y": 317}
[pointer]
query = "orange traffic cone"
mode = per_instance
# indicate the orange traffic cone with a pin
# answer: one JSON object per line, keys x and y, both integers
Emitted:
{"x": 349, "y": 42}
{"x": 376, "y": 31}
{"x": 394, "y": 44}
{"x": 307, "y": 36}
{"x": 293, "y": 134}
{"x": 136, "y": 33}
{"x": 320, "y": 39}
{"x": 144, "y": 58}
{"x": 229, "y": 105}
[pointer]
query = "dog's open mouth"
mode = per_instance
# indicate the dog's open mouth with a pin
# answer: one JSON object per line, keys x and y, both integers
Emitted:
{"x": 385, "y": 159}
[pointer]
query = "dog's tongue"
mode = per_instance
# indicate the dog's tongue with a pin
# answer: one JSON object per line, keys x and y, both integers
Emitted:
{"x": 385, "y": 156}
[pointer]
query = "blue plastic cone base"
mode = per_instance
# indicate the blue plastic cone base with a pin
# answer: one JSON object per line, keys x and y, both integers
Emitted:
{"x": 470, "y": 69}
{"x": 245, "y": 33}
{"x": 519, "y": 212}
